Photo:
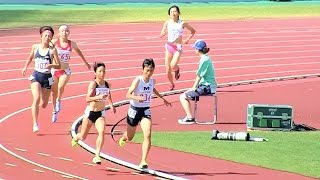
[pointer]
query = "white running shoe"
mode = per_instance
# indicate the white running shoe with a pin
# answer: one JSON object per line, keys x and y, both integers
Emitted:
{"x": 58, "y": 106}
{"x": 54, "y": 117}
{"x": 35, "y": 128}
{"x": 186, "y": 120}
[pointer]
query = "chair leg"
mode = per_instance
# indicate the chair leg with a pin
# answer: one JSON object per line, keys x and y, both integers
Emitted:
{"x": 215, "y": 116}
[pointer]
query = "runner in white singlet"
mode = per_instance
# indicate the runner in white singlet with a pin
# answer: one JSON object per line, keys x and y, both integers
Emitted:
{"x": 174, "y": 29}
{"x": 62, "y": 75}
{"x": 139, "y": 94}
{"x": 46, "y": 58}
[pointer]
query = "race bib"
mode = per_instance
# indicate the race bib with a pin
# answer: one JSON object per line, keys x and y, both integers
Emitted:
{"x": 51, "y": 80}
{"x": 146, "y": 97}
{"x": 132, "y": 113}
{"x": 64, "y": 56}
{"x": 102, "y": 91}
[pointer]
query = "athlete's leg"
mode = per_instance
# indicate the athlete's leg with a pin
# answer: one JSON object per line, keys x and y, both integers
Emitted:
{"x": 129, "y": 134}
{"x": 100, "y": 126}
{"x": 36, "y": 94}
{"x": 54, "y": 90}
{"x": 63, "y": 80}
{"x": 146, "y": 127}
{"x": 85, "y": 127}
{"x": 45, "y": 95}
{"x": 168, "y": 59}
{"x": 174, "y": 63}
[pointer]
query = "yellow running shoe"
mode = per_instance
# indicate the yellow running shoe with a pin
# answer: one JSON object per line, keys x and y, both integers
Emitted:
{"x": 122, "y": 142}
{"x": 143, "y": 165}
{"x": 73, "y": 142}
{"x": 96, "y": 160}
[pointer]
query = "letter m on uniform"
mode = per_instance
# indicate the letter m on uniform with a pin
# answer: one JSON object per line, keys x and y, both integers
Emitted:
{"x": 146, "y": 88}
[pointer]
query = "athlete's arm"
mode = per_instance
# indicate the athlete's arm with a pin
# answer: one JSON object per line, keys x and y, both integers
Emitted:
{"x": 77, "y": 49}
{"x": 29, "y": 60}
{"x": 90, "y": 97}
{"x": 133, "y": 86}
{"x": 111, "y": 102}
{"x": 56, "y": 61}
{"x": 192, "y": 32}
{"x": 164, "y": 29}
{"x": 155, "y": 91}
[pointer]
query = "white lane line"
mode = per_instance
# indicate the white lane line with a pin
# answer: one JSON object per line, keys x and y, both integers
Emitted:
{"x": 220, "y": 31}
{"x": 136, "y": 173}
{"x": 68, "y": 177}
{"x": 190, "y": 50}
{"x": 19, "y": 149}
{"x": 38, "y": 170}
{"x": 65, "y": 159}
{"x": 113, "y": 169}
{"x": 185, "y": 72}
{"x": 43, "y": 154}
{"x": 89, "y": 164}
{"x": 32, "y": 162}
{"x": 215, "y": 43}
{"x": 9, "y": 164}
{"x": 160, "y": 178}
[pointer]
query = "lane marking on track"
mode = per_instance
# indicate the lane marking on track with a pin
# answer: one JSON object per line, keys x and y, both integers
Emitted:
{"x": 65, "y": 159}
{"x": 68, "y": 177}
{"x": 32, "y": 162}
{"x": 89, "y": 164}
{"x": 179, "y": 82}
{"x": 190, "y": 50}
{"x": 160, "y": 178}
{"x": 38, "y": 170}
{"x": 19, "y": 149}
{"x": 9, "y": 164}
{"x": 136, "y": 173}
{"x": 113, "y": 169}
{"x": 43, "y": 154}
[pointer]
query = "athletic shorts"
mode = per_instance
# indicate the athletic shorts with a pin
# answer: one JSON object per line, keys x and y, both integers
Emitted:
{"x": 94, "y": 115}
{"x": 44, "y": 79}
{"x": 173, "y": 48}
{"x": 201, "y": 91}
{"x": 58, "y": 72}
{"x": 135, "y": 115}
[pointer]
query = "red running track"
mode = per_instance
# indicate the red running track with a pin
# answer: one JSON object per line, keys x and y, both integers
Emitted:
{"x": 242, "y": 50}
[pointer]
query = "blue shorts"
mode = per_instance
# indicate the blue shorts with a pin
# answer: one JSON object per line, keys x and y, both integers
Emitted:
{"x": 201, "y": 91}
{"x": 45, "y": 80}
{"x": 135, "y": 115}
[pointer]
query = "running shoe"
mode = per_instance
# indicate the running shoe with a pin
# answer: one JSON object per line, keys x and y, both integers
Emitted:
{"x": 73, "y": 142}
{"x": 35, "y": 128}
{"x": 122, "y": 142}
{"x": 54, "y": 117}
{"x": 96, "y": 160}
{"x": 171, "y": 87}
{"x": 186, "y": 120}
{"x": 58, "y": 106}
{"x": 143, "y": 165}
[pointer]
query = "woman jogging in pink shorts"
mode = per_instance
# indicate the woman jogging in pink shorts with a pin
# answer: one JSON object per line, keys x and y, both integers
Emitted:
{"x": 174, "y": 29}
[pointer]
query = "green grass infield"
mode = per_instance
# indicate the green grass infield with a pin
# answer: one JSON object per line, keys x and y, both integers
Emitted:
{"x": 296, "y": 152}
{"x": 34, "y": 16}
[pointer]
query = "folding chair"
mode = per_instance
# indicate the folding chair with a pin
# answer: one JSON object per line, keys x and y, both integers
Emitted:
{"x": 215, "y": 110}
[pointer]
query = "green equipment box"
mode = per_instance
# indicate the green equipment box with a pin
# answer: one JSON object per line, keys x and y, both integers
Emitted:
{"x": 267, "y": 116}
